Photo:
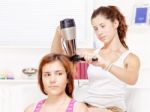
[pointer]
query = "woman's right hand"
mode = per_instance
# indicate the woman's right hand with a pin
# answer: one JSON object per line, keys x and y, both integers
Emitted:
{"x": 88, "y": 56}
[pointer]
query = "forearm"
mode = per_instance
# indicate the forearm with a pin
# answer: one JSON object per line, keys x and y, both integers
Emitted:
{"x": 56, "y": 46}
{"x": 127, "y": 76}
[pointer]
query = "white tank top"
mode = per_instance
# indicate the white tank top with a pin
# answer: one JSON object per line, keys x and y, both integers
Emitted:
{"x": 104, "y": 88}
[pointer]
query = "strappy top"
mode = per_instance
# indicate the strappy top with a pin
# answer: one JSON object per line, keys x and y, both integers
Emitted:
{"x": 69, "y": 108}
{"x": 104, "y": 88}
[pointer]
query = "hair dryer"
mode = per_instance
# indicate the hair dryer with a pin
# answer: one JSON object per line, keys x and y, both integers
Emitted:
{"x": 68, "y": 29}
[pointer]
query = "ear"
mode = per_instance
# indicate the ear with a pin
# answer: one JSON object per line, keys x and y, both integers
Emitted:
{"x": 116, "y": 23}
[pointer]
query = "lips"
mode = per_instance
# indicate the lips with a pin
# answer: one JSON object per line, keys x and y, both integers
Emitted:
{"x": 53, "y": 86}
{"x": 101, "y": 38}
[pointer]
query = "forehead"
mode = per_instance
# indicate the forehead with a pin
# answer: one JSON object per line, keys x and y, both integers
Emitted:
{"x": 99, "y": 19}
{"x": 53, "y": 66}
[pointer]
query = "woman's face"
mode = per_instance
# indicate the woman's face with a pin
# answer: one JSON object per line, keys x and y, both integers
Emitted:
{"x": 54, "y": 78}
{"x": 104, "y": 28}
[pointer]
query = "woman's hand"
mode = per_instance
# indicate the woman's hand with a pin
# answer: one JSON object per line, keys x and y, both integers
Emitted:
{"x": 101, "y": 62}
{"x": 89, "y": 56}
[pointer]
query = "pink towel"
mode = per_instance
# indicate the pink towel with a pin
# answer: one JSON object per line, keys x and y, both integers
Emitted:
{"x": 81, "y": 71}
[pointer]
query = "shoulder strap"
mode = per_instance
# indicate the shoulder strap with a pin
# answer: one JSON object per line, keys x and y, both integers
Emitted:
{"x": 125, "y": 54}
{"x": 39, "y": 105}
{"x": 71, "y": 106}
{"x": 96, "y": 51}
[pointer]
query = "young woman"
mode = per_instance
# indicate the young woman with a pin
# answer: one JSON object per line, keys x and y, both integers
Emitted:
{"x": 116, "y": 67}
{"x": 55, "y": 78}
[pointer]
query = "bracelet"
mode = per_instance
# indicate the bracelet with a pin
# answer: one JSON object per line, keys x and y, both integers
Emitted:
{"x": 106, "y": 67}
{"x": 109, "y": 67}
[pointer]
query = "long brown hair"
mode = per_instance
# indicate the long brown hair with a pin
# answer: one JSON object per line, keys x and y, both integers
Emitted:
{"x": 113, "y": 13}
{"x": 66, "y": 64}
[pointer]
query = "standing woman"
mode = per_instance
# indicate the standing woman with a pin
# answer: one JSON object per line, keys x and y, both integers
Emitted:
{"x": 116, "y": 67}
{"x": 55, "y": 78}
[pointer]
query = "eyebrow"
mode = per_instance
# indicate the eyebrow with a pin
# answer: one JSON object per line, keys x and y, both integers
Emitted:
{"x": 59, "y": 71}
{"x": 54, "y": 71}
{"x": 99, "y": 24}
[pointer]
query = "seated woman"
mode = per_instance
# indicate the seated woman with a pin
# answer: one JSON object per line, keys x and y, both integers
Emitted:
{"x": 55, "y": 78}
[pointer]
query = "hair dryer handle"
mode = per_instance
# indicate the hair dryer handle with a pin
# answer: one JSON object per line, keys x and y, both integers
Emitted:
{"x": 76, "y": 58}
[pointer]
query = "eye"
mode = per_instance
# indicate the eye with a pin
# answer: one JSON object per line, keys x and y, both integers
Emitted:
{"x": 102, "y": 26}
{"x": 46, "y": 74}
{"x": 95, "y": 28}
{"x": 59, "y": 73}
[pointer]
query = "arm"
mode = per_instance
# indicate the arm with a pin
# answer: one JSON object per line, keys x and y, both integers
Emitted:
{"x": 84, "y": 51}
{"x": 128, "y": 74}
{"x": 56, "y": 46}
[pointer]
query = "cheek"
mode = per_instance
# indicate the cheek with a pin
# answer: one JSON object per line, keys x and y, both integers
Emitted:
{"x": 109, "y": 31}
{"x": 64, "y": 81}
{"x": 45, "y": 81}
{"x": 97, "y": 35}
{"x": 45, "y": 85}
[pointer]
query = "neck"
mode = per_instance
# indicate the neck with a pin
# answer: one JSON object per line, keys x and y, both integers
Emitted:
{"x": 114, "y": 45}
{"x": 54, "y": 99}
{"x": 56, "y": 103}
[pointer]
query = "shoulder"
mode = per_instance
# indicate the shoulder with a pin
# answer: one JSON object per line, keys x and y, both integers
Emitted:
{"x": 132, "y": 59}
{"x": 80, "y": 107}
{"x": 29, "y": 108}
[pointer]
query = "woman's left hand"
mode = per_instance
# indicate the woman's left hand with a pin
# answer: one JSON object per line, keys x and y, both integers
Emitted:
{"x": 100, "y": 62}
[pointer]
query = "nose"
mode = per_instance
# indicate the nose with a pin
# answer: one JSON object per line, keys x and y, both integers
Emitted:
{"x": 99, "y": 32}
{"x": 53, "y": 78}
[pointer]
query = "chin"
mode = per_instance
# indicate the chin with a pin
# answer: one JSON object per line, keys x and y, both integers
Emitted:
{"x": 55, "y": 93}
